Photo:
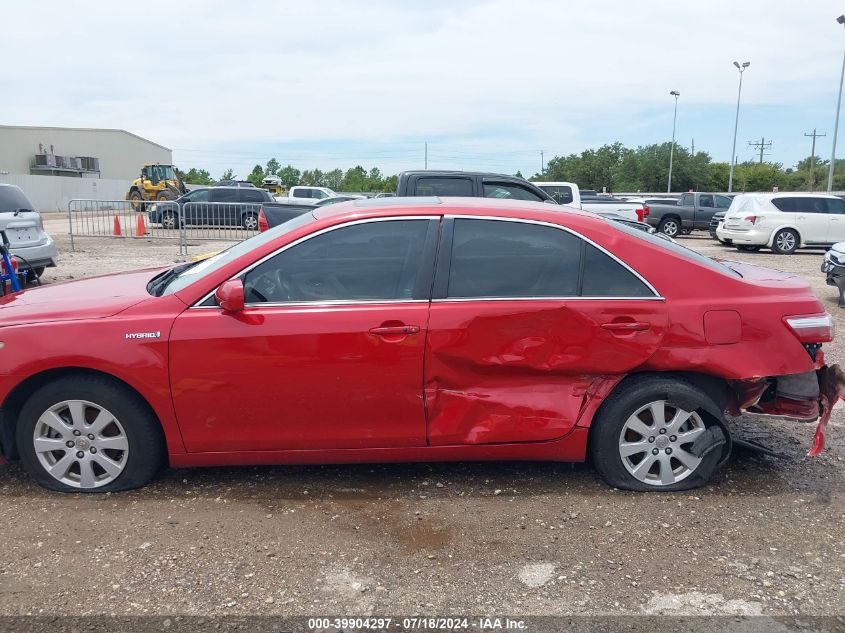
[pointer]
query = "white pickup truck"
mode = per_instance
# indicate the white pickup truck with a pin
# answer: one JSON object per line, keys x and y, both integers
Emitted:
{"x": 301, "y": 194}
{"x": 569, "y": 194}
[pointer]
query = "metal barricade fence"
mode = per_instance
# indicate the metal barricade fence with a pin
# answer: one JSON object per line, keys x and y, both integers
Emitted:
{"x": 190, "y": 221}
{"x": 220, "y": 221}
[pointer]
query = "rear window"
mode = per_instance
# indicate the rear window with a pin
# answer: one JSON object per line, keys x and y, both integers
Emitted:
{"x": 455, "y": 187}
{"x": 674, "y": 247}
{"x": 12, "y": 199}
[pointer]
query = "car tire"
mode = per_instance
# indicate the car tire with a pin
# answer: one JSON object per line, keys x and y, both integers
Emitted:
{"x": 136, "y": 200}
{"x": 250, "y": 221}
{"x": 748, "y": 248}
{"x": 168, "y": 220}
{"x": 669, "y": 226}
{"x": 38, "y": 271}
{"x": 93, "y": 433}
{"x": 682, "y": 457}
{"x": 785, "y": 242}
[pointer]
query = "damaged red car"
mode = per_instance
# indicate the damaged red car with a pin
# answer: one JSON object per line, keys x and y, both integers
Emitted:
{"x": 422, "y": 329}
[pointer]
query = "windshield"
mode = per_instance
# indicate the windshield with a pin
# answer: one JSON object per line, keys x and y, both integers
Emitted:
{"x": 675, "y": 248}
{"x": 157, "y": 173}
{"x": 214, "y": 263}
{"x": 13, "y": 199}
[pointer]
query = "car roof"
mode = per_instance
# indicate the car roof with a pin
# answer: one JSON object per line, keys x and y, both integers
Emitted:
{"x": 786, "y": 194}
{"x": 434, "y": 205}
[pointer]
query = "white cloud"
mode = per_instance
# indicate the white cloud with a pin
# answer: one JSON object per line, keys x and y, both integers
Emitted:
{"x": 482, "y": 76}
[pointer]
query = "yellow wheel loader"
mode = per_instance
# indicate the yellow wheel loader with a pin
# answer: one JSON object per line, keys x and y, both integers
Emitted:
{"x": 157, "y": 183}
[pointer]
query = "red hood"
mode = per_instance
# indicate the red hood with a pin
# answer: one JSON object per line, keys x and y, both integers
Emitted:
{"x": 91, "y": 298}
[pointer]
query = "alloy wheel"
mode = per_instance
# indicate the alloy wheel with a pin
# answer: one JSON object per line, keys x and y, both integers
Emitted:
{"x": 655, "y": 441}
{"x": 670, "y": 228}
{"x": 250, "y": 222}
{"x": 785, "y": 241}
{"x": 80, "y": 444}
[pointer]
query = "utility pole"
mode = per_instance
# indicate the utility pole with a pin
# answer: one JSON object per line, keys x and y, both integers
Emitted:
{"x": 426, "y": 154}
{"x": 841, "y": 20}
{"x": 675, "y": 94}
{"x": 692, "y": 150}
{"x": 763, "y": 146}
{"x": 542, "y": 163}
{"x": 813, "y": 158}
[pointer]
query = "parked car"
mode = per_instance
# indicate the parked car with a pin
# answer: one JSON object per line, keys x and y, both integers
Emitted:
{"x": 784, "y": 222}
{"x": 233, "y": 183}
{"x": 214, "y": 206}
{"x": 693, "y": 210}
{"x": 568, "y": 193}
{"x": 833, "y": 265}
{"x": 25, "y": 230}
{"x": 341, "y": 337}
{"x": 715, "y": 221}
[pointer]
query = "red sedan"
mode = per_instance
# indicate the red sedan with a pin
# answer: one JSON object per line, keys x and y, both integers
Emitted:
{"x": 411, "y": 330}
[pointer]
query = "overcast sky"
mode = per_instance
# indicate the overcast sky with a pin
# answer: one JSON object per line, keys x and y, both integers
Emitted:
{"x": 488, "y": 83}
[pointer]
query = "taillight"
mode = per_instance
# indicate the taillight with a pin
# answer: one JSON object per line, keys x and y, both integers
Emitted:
{"x": 753, "y": 218}
{"x": 646, "y": 210}
{"x": 263, "y": 225}
{"x": 812, "y": 328}
{"x": 641, "y": 214}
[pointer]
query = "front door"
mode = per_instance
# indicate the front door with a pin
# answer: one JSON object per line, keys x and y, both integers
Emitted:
{"x": 525, "y": 318}
{"x": 327, "y": 353}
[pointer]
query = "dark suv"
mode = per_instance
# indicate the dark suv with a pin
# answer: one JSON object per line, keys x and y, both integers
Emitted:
{"x": 214, "y": 206}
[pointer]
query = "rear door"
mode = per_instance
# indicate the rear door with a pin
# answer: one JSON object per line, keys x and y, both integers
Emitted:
{"x": 525, "y": 317}
{"x": 225, "y": 210}
{"x": 836, "y": 226}
{"x": 812, "y": 219}
{"x": 704, "y": 211}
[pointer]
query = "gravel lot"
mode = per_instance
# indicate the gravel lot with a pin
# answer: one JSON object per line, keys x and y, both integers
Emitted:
{"x": 504, "y": 538}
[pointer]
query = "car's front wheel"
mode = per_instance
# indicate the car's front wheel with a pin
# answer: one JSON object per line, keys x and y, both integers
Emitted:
{"x": 657, "y": 433}
{"x": 89, "y": 434}
{"x": 785, "y": 242}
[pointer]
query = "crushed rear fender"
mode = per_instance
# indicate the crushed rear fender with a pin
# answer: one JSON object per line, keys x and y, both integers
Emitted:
{"x": 806, "y": 397}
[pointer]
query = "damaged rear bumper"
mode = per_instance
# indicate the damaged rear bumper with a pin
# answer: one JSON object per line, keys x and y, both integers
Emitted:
{"x": 806, "y": 397}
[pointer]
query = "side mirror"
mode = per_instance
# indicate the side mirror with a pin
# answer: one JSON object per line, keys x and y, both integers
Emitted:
{"x": 230, "y": 295}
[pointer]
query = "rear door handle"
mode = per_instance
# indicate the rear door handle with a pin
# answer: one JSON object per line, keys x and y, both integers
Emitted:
{"x": 395, "y": 330}
{"x": 627, "y": 326}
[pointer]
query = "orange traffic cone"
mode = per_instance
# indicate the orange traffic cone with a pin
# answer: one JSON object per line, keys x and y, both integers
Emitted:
{"x": 140, "y": 225}
{"x": 116, "y": 230}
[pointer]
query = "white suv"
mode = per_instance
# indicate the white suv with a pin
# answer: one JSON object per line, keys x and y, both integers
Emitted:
{"x": 783, "y": 221}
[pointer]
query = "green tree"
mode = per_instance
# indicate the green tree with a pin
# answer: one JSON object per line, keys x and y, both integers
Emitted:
{"x": 272, "y": 168}
{"x": 333, "y": 179}
{"x": 195, "y": 176}
{"x": 256, "y": 176}
{"x": 229, "y": 174}
{"x": 289, "y": 175}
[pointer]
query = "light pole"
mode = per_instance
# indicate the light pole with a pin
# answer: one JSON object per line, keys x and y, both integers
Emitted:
{"x": 741, "y": 69}
{"x": 841, "y": 20}
{"x": 675, "y": 94}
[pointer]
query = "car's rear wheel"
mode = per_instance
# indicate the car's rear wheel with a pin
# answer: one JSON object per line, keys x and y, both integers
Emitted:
{"x": 670, "y": 227}
{"x": 168, "y": 220}
{"x": 89, "y": 434}
{"x": 748, "y": 248}
{"x": 250, "y": 222}
{"x": 656, "y": 433}
{"x": 785, "y": 242}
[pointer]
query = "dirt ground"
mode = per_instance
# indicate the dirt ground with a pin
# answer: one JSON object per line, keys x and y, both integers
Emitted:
{"x": 765, "y": 537}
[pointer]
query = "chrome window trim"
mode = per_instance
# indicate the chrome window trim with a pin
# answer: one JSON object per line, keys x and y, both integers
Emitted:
{"x": 657, "y": 295}
{"x": 197, "y": 304}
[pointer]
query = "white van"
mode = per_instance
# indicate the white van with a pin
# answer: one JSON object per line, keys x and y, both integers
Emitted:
{"x": 783, "y": 222}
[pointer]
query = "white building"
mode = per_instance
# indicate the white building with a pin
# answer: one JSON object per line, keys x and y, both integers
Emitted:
{"x": 77, "y": 152}
{"x": 54, "y": 165}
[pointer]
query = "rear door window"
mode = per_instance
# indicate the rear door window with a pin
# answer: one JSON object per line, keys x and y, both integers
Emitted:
{"x": 510, "y": 191}
{"x": 224, "y": 194}
{"x": 522, "y": 260}
{"x": 252, "y": 195}
{"x": 811, "y": 205}
{"x": 787, "y": 205}
{"x": 562, "y": 194}
{"x": 705, "y": 200}
{"x": 687, "y": 199}
{"x": 439, "y": 186}
{"x": 836, "y": 206}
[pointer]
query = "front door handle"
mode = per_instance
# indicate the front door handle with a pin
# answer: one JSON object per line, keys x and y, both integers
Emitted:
{"x": 395, "y": 330}
{"x": 626, "y": 326}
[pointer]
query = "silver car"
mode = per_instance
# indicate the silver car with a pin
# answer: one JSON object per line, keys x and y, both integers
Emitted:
{"x": 25, "y": 230}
